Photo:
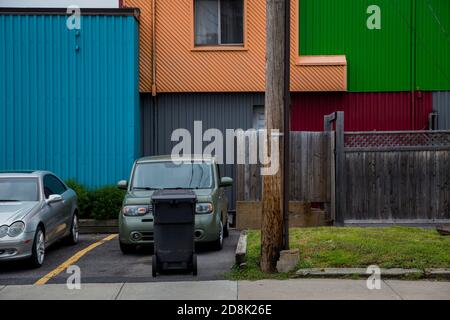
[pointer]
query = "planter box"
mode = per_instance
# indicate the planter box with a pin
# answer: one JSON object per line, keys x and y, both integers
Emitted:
{"x": 99, "y": 226}
{"x": 248, "y": 215}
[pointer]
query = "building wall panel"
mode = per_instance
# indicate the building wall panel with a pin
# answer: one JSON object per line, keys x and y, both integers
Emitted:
{"x": 69, "y": 100}
{"x": 409, "y": 52}
{"x": 182, "y": 68}
{"x": 393, "y": 58}
{"x": 363, "y": 111}
{"x": 432, "y": 43}
{"x": 146, "y": 44}
{"x": 163, "y": 114}
{"x": 377, "y": 60}
{"x": 441, "y": 105}
{"x": 60, "y": 3}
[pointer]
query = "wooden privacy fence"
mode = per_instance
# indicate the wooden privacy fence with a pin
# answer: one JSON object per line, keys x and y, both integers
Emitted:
{"x": 310, "y": 170}
{"x": 394, "y": 177}
{"x": 311, "y": 163}
{"x": 366, "y": 177}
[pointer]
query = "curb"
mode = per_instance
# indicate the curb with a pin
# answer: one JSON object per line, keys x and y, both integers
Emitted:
{"x": 362, "y": 272}
{"x": 241, "y": 249}
{"x": 87, "y": 226}
{"x": 437, "y": 273}
{"x": 443, "y": 230}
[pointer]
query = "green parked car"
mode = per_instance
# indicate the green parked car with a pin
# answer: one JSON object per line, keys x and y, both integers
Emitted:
{"x": 160, "y": 172}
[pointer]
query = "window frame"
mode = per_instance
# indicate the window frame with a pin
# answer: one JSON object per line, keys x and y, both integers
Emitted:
{"x": 315, "y": 60}
{"x": 219, "y": 46}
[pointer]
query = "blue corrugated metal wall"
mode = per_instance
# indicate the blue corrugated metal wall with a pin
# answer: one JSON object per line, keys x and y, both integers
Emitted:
{"x": 69, "y": 99}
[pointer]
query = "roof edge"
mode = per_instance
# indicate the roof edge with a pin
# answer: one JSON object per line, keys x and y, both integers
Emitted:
{"x": 135, "y": 12}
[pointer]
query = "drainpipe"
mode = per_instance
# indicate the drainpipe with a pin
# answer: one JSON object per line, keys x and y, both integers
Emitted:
{"x": 154, "y": 91}
{"x": 413, "y": 62}
{"x": 154, "y": 48}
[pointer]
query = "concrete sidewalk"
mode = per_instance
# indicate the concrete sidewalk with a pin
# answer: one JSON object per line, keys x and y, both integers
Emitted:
{"x": 296, "y": 289}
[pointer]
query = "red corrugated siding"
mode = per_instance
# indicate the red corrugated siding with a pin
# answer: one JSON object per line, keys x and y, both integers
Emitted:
{"x": 363, "y": 111}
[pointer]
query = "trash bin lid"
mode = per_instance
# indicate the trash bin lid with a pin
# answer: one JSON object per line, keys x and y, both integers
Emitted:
{"x": 184, "y": 195}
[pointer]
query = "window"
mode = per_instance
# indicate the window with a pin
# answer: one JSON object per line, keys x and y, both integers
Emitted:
{"x": 168, "y": 175}
{"x": 219, "y": 22}
{"x": 52, "y": 185}
{"x": 18, "y": 189}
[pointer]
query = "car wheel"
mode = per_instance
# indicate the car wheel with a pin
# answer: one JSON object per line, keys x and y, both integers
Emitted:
{"x": 38, "y": 250}
{"x": 194, "y": 265}
{"x": 127, "y": 248}
{"x": 218, "y": 244}
{"x": 72, "y": 238}
{"x": 154, "y": 266}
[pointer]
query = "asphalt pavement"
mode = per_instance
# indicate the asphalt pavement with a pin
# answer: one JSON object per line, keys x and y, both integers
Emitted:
{"x": 108, "y": 274}
{"x": 106, "y": 264}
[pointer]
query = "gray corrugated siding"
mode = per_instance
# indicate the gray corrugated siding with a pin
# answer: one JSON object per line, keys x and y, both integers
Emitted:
{"x": 166, "y": 112}
{"x": 441, "y": 105}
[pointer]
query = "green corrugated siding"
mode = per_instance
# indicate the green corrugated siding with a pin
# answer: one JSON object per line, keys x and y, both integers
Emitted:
{"x": 391, "y": 59}
{"x": 378, "y": 60}
{"x": 433, "y": 45}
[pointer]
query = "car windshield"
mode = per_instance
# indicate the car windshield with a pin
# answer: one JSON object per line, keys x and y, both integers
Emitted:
{"x": 168, "y": 175}
{"x": 18, "y": 189}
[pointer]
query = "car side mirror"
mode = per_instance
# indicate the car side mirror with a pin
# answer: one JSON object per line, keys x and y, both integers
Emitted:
{"x": 122, "y": 184}
{"x": 53, "y": 198}
{"x": 226, "y": 182}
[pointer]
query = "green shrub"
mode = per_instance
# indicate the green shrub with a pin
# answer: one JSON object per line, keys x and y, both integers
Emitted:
{"x": 84, "y": 198}
{"x": 101, "y": 204}
{"x": 106, "y": 203}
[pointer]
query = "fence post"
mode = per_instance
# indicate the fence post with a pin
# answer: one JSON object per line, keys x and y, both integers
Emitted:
{"x": 340, "y": 167}
{"x": 327, "y": 120}
{"x": 328, "y": 128}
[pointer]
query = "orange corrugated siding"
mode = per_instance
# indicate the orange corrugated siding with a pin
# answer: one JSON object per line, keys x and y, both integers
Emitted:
{"x": 146, "y": 42}
{"x": 179, "y": 68}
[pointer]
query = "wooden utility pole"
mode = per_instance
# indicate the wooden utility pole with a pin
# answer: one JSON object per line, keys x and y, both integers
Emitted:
{"x": 274, "y": 197}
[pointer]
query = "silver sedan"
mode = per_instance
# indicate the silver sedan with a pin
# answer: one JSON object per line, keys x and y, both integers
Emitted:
{"x": 36, "y": 210}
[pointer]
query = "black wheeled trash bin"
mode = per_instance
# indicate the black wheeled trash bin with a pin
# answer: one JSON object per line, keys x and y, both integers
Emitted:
{"x": 174, "y": 225}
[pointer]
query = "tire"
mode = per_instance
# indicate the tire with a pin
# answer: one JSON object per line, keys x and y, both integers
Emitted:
{"x": 226, "y": 231}
{"x": 152, "y": 249}
{"x": 127, "y": 248}
{"x": 194, "y": 265}
{"x": 154, "y": 266}
{"x": 72, "y": 238}
{"x": 38, "y": 250}
{"x": 218, "y": 244}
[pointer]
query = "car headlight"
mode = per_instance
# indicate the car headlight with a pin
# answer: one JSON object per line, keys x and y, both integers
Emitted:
{"x": 203, "y": 208}
{"x": 3, "y": 231}
{"x": 16, "y": 229}
{"x": 135, "y": 211}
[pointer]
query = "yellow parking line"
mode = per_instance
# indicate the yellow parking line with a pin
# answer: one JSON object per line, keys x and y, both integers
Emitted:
{"x": 63, "y": 266}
